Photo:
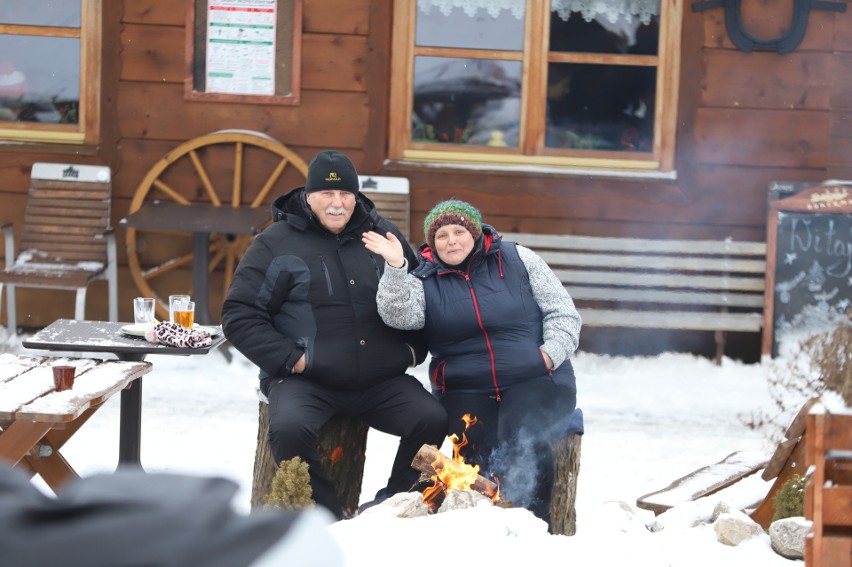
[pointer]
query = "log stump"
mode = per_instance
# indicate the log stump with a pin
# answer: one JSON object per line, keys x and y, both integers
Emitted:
{"x": 342, "y": 447}
{"x": 566, "y": 468}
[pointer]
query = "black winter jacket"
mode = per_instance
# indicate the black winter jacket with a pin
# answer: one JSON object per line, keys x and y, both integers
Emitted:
{"x": 302, "y": 289}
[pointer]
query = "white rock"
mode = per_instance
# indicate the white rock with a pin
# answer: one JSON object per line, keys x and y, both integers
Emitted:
{"x": 722, "y": 507}
{"x": 788, "y": 536}
{"x": 734, "y": 527}
{"x": 462, "y": 499}
{"x": 401, "y": 505}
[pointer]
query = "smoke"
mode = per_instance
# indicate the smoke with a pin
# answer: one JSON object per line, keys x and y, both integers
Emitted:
{"x": 524, "y": 463}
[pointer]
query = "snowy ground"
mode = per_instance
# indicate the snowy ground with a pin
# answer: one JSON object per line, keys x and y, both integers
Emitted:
{"x": 648, "y": 421}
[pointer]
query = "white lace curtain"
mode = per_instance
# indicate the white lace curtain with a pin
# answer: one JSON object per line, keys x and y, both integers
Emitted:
{"x": 612, "y": 10}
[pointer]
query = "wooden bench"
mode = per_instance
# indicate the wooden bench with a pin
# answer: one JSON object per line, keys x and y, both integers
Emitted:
{"x": 702, "y": 482}
{"x": 787, "y": 460}
{"x": 703, "y": 285}
{"x": 36, "y": 421}
{"x": 828, "y": 492}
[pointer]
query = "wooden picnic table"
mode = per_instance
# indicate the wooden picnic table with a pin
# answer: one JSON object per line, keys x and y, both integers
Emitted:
{"x": 69, "y": 335}
{"x": 36, "y": 421}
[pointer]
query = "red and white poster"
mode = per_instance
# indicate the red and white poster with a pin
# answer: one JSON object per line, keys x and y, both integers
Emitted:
{"x": 241, "y": 46}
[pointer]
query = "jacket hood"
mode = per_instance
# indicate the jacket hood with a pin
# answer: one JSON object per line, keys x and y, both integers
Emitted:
{"x": 293, "y": 209}
{"x": 488, "y": 243}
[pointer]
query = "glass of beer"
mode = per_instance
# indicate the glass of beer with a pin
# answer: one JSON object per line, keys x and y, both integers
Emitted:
{"x": 174, "y": 301}
{"x": 185, "y": 314}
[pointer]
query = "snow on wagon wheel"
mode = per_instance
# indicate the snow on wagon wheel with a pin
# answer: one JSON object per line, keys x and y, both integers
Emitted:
{"x": 224, "y": 168}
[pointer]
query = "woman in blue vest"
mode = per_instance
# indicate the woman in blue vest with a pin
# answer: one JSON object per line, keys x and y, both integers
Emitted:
{"x": 501, "y": 328}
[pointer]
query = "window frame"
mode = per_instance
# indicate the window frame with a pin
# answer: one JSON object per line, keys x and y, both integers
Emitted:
{"x": 535, "y": 58}
{"x": 87, "y": 129}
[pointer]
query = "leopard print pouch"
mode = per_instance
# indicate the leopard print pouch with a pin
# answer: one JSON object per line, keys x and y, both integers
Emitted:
{"x": 172, "y": 334}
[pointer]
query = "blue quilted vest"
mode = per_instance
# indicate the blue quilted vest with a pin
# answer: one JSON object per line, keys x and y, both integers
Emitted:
{"x": 483, "y": 325}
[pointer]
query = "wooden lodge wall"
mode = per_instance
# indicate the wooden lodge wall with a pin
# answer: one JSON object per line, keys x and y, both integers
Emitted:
{"x": 744, "y": 120}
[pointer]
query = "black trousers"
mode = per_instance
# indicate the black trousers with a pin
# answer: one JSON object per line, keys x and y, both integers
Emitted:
{"x": 511, "y": 438}
{"x": 401, "y": 406}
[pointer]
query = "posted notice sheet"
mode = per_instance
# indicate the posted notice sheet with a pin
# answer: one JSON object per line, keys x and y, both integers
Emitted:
{"x": 241, "y": 46}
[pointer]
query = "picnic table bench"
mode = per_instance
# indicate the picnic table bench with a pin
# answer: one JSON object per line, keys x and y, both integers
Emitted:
{"x": 701, "y": 285}
{"x": 36, "y": 421}
{"x": 703, "y": 482}
{"x": 786, "y": 461}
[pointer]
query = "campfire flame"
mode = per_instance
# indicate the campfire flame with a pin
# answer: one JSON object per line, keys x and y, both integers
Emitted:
{"x": 455, "y": 473}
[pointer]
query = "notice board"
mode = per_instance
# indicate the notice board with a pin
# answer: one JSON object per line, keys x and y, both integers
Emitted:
{"x": 244, "y": 51}
{"x": 808, "y": 261}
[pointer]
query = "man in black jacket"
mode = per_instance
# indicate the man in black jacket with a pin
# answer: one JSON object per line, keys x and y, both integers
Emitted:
{"x": 302, "y": 307}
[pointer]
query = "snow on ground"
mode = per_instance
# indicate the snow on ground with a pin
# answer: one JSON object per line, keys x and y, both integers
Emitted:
{"x": 648, "y": 421}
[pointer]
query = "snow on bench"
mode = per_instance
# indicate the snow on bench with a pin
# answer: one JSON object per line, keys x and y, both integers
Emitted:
{"x": 704, "y": 481}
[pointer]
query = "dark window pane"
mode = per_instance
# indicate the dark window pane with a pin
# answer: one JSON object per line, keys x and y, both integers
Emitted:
{"x": 600, "y": 107}
{"x": 493, "y": 28}
{"x": 39, "y": 79}
{"x": 626, "y": 35}
{"x": 59, "y": 13}
{"x": 466, "y": 101}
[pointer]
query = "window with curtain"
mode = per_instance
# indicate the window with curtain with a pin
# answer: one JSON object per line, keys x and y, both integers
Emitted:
{"x": 565, "y": 82}
{"x": 50, "y": 70}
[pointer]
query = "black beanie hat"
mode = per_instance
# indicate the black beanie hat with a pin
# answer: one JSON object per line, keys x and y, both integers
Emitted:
{"x": 331, "y": 169}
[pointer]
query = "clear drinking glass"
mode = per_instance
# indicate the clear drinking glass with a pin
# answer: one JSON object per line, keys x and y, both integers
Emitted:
{"x": 143, "y": 310}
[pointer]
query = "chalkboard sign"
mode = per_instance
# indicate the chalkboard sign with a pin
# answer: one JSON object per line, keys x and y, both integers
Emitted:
{"x": 808, "y": 262}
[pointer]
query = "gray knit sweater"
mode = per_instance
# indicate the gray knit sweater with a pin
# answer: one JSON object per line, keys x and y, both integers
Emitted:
{"x": 402, "y": 304}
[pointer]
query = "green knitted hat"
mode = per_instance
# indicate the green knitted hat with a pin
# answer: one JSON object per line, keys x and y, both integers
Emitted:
{"x": 452, "y": 212}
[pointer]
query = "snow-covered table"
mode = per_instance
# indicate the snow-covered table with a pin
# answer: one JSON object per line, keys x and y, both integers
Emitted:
{"x": 69, "y": 335}
{"x": 36, "y": 420}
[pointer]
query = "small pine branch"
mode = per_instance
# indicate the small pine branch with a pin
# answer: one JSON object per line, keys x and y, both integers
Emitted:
{"x": 291, "y": 488}
{"x": 790, "y": 500}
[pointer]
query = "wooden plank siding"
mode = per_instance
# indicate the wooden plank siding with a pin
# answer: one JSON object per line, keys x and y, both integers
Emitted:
{"x": 768, "y": 138}
{"x": 324, "y": 119}
{"x": 155, "y": 54}
{"x": 840, "y": 125}
{"x": 744, "y": 120}
{"x": 799, "y": 80}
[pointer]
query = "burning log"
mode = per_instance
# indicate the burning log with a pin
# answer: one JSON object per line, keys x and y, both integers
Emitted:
{"x": 439, "y": 467}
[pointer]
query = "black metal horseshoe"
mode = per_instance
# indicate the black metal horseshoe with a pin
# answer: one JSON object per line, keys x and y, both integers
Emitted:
{"x": 784, "y": 43}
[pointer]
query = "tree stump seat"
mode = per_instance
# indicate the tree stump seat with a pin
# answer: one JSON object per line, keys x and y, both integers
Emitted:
{"x": 342, "y": 447}
{"x": 566, "y": 468}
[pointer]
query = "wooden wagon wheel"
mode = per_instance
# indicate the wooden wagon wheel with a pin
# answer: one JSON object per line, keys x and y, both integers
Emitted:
{"x": 225, "y": 168}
